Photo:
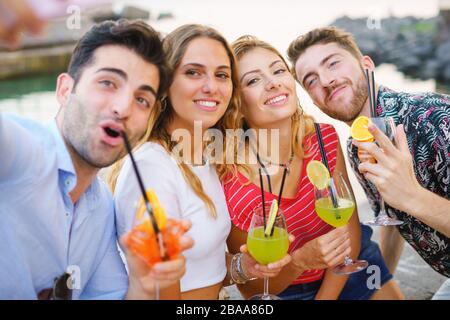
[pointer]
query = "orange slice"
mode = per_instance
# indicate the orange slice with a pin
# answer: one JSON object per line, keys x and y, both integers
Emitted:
{"x": 158, "y": 211}
{"x": 359, "y": 130}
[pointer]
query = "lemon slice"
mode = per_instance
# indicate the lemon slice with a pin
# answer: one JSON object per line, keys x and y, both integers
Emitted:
{"x": 318, "y": 174}
{"x": 359, "y": 129}
{"x": 272, "y": 216}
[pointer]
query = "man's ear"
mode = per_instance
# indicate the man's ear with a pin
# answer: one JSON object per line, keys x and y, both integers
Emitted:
{"x": 64, "y": 87}
{"x": 367, "y": 63}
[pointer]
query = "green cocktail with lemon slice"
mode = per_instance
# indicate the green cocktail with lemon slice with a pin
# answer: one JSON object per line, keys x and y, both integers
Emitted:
{"x": 335, "y": 205}
{"x": 267, "y": 242}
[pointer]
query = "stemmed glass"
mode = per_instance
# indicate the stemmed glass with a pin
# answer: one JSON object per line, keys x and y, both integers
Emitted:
{"x": 153, "y": 238}
{"x": 267, "y": 248}
{"x": 152, "y": 248}
{"x": 387, "y": 126}
{"x": 335, "y": 205}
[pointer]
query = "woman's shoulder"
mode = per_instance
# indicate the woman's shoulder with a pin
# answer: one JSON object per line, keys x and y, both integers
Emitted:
{"x": 234, "y": 180}
{"x": 151, "y": 147}
{"x": 157, "y": 169}
{"x": 154, "y": 153}
{"x": 328, "y": 132}
{"x": 154, "y": 163}
{"x": 327, "y": 128}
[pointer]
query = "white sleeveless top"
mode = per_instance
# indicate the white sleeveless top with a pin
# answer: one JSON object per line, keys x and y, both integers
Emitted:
{"x": 205, "y": 261}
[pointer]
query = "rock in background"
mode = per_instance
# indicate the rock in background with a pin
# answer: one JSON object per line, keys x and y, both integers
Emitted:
{"x": 418, "y": 47}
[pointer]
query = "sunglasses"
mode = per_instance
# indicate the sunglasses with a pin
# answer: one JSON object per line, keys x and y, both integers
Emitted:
{"x": 60, "y": 290}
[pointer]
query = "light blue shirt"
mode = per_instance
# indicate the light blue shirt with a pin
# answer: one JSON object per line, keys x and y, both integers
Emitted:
{"x": 42, "y": 234}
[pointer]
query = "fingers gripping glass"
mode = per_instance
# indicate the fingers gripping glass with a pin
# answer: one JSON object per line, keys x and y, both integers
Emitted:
{"x": 387, "y": 126}
{"x": 267, "y": 248}
{"x": 337, "y": 215}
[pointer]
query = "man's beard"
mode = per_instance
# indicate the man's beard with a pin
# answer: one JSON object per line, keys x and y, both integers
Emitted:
{"x": 350, "y": 112}
{"x": 78, "y": 129}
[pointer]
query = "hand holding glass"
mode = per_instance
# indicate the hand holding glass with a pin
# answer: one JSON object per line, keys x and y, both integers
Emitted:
{"x": 338, "y": 216}
{"x": 265, "y": 248}
{"x": 387, "y": 126}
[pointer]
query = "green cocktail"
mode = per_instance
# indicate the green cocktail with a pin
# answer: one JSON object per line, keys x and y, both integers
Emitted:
{"x": 337, "y": 217}
{"x": 267, "y": 249}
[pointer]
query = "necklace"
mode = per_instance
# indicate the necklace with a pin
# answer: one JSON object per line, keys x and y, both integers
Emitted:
{"x": 286, "y": 165}
{"x": 285, "y": 172}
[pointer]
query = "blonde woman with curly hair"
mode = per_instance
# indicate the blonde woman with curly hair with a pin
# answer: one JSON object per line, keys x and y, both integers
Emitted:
{"x": 270, "y": 103}
{"x": 203, "y": 95}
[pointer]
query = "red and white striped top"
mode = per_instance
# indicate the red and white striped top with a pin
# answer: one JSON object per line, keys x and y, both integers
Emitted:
{"x": 301, "y": 218}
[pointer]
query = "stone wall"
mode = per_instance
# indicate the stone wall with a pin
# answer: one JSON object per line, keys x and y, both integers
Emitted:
{"x": 51, "y": 52}
{"x": 35, "y": 61}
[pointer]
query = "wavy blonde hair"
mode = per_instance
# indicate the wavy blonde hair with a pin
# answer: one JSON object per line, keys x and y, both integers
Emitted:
{"x": 175, "y": 45}
{"x": 302, "y": 124}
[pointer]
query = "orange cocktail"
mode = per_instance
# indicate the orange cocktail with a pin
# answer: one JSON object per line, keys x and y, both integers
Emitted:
{"x": 142, "y": 239}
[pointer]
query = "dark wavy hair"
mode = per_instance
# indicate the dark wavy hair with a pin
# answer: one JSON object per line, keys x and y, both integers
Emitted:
{"x": 136, "y": 36}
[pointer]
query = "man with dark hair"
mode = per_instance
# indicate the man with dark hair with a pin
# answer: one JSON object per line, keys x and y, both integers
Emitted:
{"x": 56, "y": 215}
{"x": 413, "y": 177}
{"x": 137, "y": 36}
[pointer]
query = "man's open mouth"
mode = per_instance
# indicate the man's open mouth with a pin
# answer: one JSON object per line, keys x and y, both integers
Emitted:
{"x": 111, "y": 132}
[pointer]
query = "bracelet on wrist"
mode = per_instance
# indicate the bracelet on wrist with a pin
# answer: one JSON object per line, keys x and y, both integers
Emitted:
{"x": 241, "y": 271}
{"x": 237, "y": 273}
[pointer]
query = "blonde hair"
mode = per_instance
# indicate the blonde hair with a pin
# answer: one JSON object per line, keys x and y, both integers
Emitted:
{"x": 301, "y": 124}
{"x": 175, "y": 45}
{"x": 324, "y": 35}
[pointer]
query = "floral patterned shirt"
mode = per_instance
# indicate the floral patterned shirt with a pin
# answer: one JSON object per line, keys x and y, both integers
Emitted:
{"x": 426, "y": 119}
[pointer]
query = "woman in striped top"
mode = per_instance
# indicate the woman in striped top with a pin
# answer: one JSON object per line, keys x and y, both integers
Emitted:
{"x": 269, "y": 101}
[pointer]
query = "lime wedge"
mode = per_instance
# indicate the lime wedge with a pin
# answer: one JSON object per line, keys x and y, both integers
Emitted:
{"x": 318, "y": 174}
{"x": 272, "y": 216}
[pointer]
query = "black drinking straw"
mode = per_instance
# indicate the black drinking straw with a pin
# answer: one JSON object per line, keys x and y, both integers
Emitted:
{"x": 374, "y": 103}
{"x": 369, "y": 93}
{"x": 261, "y": 185}
{"x": 148, "y": 206}
{"x": 280, "y": 194}
{"x": 325, "y": 162}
